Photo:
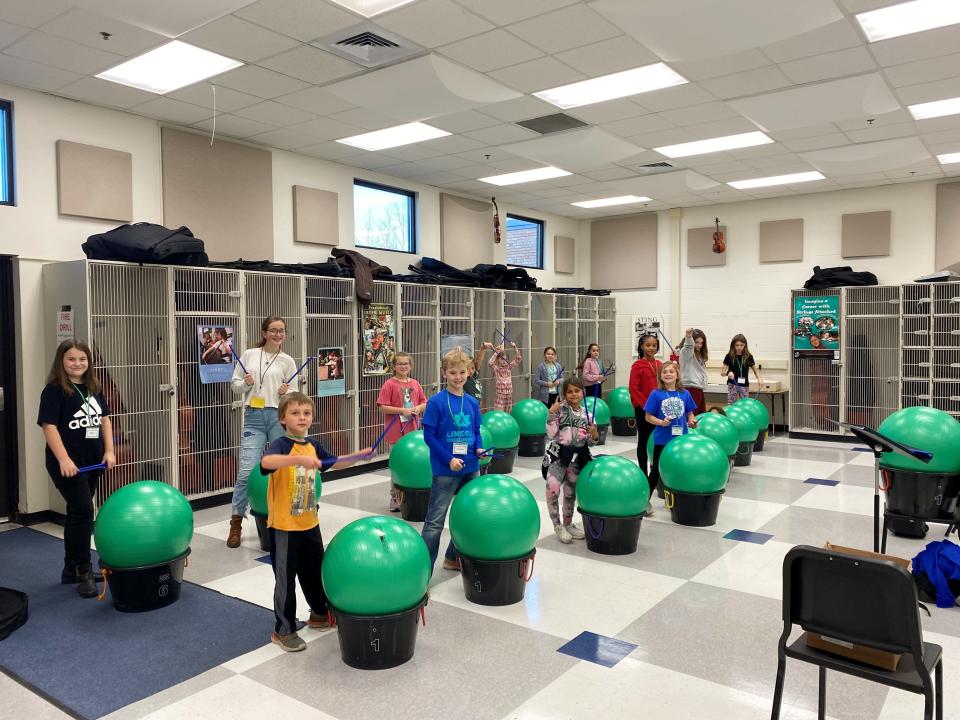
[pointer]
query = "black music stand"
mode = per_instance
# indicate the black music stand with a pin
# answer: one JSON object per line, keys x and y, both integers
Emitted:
{"x": 878, "y": 445}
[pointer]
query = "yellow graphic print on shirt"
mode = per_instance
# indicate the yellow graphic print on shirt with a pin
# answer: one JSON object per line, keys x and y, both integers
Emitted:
{"x": 292, "y": 496}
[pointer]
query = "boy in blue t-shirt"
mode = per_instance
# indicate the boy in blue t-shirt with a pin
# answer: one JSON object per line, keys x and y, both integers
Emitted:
{"x": 670, "y": 410}
{"x": 451, "y": 429}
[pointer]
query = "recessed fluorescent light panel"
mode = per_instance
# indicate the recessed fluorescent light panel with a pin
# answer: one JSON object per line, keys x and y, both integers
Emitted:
{"x": 937, "y": 108}
{"x": 525, "y": 176}
{"x": 608, "y": 87}
{"x": 394, "y": 136}
{"x": 701, "y": 147}
{"x": 908, "y": 18}
{"x": 948, "y": 158}
{"x": 369, "y": 8}
{"x": 776, "y": 180}
{"x": 169, "y": 67}
{"x": 607, "y": 202}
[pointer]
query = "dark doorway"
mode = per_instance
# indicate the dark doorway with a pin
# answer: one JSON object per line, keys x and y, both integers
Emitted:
{"x": 9, "y": 486}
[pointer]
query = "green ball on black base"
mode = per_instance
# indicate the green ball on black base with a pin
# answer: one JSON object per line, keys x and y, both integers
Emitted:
{"x": 621, "y": 406}
{"x": 504, "y": 430}
{"x": 494, "y": 517}
{"x": 716, "y": 427}
{"x": 612, "y": 486}
{"x": 694, "y": 464}
{"x": 923, "y": 428}
{"x": 410, "y": 462}
{"x": 531, "y": 417}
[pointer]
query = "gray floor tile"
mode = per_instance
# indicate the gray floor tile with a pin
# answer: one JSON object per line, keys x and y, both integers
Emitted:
{"x": 171, "y": 695}
{"x": 21, "y": 702}
{"x": 8, "y": 526}
{"x": 768, "y": 489}
{"x": 211, "y": 559}
{"x": 825, "y": 452}
{"x": 370, "y": 498}
{"x": 854, "y": 475}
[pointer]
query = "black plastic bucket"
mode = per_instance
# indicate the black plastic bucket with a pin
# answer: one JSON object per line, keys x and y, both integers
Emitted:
{"x": 263, "y": 532}
{"x": 378, "y": 642}
{"x": 758, "y": 444}
{"x": 503, "y": 460}
{"x": 932, "y": 496}
{"x": 532, "y": 445}
{"x": 611, "y": 535}
{"x": 744, "y": 454}
{"x": 145, "y": 588}
{"x": 693, "y": 509}
{"x": 602, "y": 433}
{"x": 413, "y": 503}
{"x": 624, "y": 427}
{"x": 496, "y": 582}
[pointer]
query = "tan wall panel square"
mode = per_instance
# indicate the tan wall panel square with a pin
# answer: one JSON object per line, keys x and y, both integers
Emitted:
{"x": 94, "y": 182}
{"x": 564, "y": 254}
{"x": 781, "y": 240}
{"x": 623, "y": 252}
{"x": 700, "y": 247}
{"x": 223, "y": 193}
{"x": 316, "y": 216}
{"x": 948, "y": 227}
{"x": 466, "y": 231}
{"x": 865, "y": 234}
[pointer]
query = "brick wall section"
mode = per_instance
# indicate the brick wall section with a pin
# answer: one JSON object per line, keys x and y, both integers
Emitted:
{"x": 522, "y": 246}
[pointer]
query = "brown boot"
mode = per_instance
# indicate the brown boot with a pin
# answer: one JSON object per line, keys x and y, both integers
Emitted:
{"x": 233, "y": 539}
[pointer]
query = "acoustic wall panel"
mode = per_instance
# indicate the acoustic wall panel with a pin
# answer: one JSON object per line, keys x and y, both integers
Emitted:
{"x": 94, "y": 182}
{"x": 781, "y": 240}
{"x": 700, "y": 248}
{"x": 624, "y": 252}
{"x": 466, "y": 231}
{"x": 865, "y": 234}
{"x": 564, "y": 254}
{"x": 316, "y": 217}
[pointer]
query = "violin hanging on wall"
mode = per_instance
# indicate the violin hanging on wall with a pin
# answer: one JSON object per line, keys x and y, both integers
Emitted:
{"x": 496, "y": 221}
{"x": 719, "y": 240}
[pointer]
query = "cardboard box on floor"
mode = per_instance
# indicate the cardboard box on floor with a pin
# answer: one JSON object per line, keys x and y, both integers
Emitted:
{"x": 852, "y": 651}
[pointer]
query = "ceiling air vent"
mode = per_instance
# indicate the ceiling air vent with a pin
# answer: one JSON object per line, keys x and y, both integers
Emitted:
{"x": 368, "y": 44}
{"x": 655, "y": 168}
{"x": 551, "y": 123}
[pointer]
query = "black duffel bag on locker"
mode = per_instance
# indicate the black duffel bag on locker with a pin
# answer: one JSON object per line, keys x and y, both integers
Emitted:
{"x": 147, "y": 243}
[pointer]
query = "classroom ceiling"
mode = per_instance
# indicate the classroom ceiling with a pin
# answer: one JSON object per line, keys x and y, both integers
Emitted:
{"x": 803, "y": 72}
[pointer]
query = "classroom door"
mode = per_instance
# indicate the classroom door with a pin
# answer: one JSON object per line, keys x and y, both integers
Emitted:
{"x": 8, "y": 394}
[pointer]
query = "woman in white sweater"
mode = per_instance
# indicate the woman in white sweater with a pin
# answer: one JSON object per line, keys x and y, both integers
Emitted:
{"x": 693, "y": 365}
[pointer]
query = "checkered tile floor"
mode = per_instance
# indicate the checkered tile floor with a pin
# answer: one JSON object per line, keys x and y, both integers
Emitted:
{"x": 686, "y": 627}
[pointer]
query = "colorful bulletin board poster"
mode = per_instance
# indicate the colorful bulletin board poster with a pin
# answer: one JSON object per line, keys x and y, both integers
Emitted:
{"x": 816, "y": 323}
{"x": 215, "y": 353}
{"x": 330, "y": 375}
{"x": 379, "y": 339}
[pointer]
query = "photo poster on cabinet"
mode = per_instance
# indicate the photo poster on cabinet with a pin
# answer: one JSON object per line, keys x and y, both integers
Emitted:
{"x": 215, "y": 353}
{"x": 643, "y": 324}
{"x": 379, "y": 339}
{"x": 331, "y": 379}
{"x": 816, "y": 323}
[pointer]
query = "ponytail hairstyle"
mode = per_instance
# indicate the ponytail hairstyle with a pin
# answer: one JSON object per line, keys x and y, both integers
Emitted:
{"x": 267, "y": 322}
{"x": 746, "y": 348}
{"x": 586, "y": 355}
{"x": 58, "y": 376}
{"x": 701, "y": 354}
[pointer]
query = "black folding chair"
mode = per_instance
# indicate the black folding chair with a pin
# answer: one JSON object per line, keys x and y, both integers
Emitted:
{"x": 856, "y": 600}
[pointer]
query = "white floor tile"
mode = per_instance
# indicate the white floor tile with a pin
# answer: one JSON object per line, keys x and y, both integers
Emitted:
{"x": 351, "y": 483}
{"x": 902, "y": 705}
{"x": 863, "y": 459}
{"x": 734, "y": 514}
{"x": 788, "y": 468}
{"x": 840, "y": 498}
{"x": 748, "y": 567}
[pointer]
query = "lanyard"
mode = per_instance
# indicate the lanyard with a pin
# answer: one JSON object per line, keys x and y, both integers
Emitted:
{"x": 454, "y": 417}
{"x": 264, "y": 371}
{"x": 740, "y": 361}
{"x": 85, "y": 400}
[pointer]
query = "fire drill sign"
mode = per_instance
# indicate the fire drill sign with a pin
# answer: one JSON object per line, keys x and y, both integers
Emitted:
{"x": 65, "y": 329}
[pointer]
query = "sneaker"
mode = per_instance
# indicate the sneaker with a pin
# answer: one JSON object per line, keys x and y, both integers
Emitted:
{"x": 289, "y": 643}
{"x": 576, "y": 532}
{"x": 318, "y": 621}
{"x": 648, "y": 512}
{"x": 451, "y": 564}
{"x": 394, "y": 505}
{"x": 563, "y": 534}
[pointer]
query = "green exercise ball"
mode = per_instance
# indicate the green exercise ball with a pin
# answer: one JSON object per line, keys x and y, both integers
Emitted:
{"x": 757, "y": 409}
{"x": 410, "y": 462}
{"x": 694, "y": 464}
{"x": 621, "y": 406}
{"x": 494, "y": 517}
{"x": 923, "y": 428}
{"x": 650, "y": 447}
{"x": 143, "y": 523}
{"x": 745, "y": 422}
{"x": 257, "y": 483}
{"x": 531, "y": 416}
{"x": 503, "y": 429}
{"x": 376, "y": 566}
{"x": 598, "y": 409}
{"x": 612, "y": 486}
{"x": 718, "y": 428}
{"x": 487, "y": 445}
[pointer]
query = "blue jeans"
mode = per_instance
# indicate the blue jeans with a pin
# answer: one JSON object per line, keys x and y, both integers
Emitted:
{"x": 260, "y": 426}
{"x": 442, "y": 490}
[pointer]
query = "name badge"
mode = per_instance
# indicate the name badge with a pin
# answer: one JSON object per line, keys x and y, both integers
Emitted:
{"x": 459, "y": 448}
{"x": 741, "y": 381}
{"x": 93, "y": 433}
{"x": 676, "y": 430}
{"x": 258, "y": 402}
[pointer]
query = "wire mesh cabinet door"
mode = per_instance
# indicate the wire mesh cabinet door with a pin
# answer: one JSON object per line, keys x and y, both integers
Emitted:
{"x": 607, "y": 337}
{"x": 130, "y": 337}
{"x": 945, "y": 342}
{"x": 208, "y": 322}
{"x": 276, "y": 295}
{"x": 815, "y": 384}
{"x": 871, "y": 340}
{"x": 331, "y": 326}
{"x": 542, "y": 330}
{"x": 565, "y": 311}
{"x": 372, "y": 377}
{"x": 916, "y": 359}
{"x": 487, "y": 324}
{"x": 456, "y": 322}
{"x": 419, "y": 318}
{"x": 516, "y": 320}
{"x": 587, "y": 331}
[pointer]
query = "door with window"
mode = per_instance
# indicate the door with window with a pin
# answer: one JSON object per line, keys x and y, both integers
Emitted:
{"x": 8, "y": 394}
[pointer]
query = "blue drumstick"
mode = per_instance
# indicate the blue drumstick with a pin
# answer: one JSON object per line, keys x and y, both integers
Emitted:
{"x": 91, "y": 468}
{"x": 239, "y": 361}
{"x": 299, "y": 369}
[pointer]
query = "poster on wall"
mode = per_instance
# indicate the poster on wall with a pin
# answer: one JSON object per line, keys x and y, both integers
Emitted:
{"x": 643, "y": 324}
{"x": 379, "y": 339}
{"x": 816, "y": 323}
{"x": 215, "y": 353}
{"x": 65, "y": 325}
{"x": 330, "y": 374}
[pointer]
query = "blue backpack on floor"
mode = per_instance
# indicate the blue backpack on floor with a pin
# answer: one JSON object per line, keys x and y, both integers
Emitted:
{"x": 936, "y": 571}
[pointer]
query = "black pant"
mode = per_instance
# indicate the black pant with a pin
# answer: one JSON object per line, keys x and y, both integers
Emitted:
{"x": 551, "y": 399}
{"x": 78, "y": 492}
{"x": 654, "y": 477}
{"x": 643, "y": 436}
{"x": 296, "y": 555}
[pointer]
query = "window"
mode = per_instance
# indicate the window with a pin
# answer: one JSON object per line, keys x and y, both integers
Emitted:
{"x": 524, "y": 242}
{"x": 6, "y": 153}
{"x": 384, "y": 217}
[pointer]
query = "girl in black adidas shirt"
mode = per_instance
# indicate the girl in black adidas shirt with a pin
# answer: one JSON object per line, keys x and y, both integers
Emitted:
{"x": 76, "y": 425}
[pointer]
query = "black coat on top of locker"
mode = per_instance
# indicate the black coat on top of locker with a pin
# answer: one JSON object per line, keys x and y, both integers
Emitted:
{"x": 840, "y": 276}
{"x": 502, "y": 277}
{"x": 147, "y": 243}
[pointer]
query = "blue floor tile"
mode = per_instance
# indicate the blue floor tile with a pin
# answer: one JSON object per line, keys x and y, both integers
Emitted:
{"x": 599, "y": 649}
{"x": 861, "y": 449}
{"x": 747, "y": 536}
{"x": 265, "y": 559}
{"x": 821, "y": 481}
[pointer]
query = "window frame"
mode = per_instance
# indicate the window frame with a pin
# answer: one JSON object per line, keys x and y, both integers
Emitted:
{"x": 10, "y": 170}
{"x": 411, "y": 196}
{"x": 541, "y": 249}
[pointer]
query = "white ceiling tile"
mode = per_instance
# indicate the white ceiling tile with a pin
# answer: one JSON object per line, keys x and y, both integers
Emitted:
{"x": 613, "y": 173}
{"x": 780, "y": 164}
{"x": 721, "y": 128}
{"x": 372, "y": 161}
{"x": 521, "y": 108}
{"x": 664, "y": 137}
{"x": 234, "y": 126}
{"x": 101, "y": 92}
{"x": 699, "y": 114}
{"x": 361, "y": 117}
{"x": 923, "y": 71}
{"x": 942, "y": 136}
{"x": 432, "y": 23}
{"x": 444, "y": 163}
{"x": 918, "y": 46}
{"x": 721, "y": 65}
{"x": 882, "y": 132}
{"x": 667, "y": 184}
{"x": 803, "y": 132}
{"x": 500, "y": 134}
{"x": 239, "y": 39}
{"x": 674, "y": 97}
{"x": 891, "y": 118}
{"x": 202, "y": 94}
{"x": 330, "y": 151}
{"x": 304, "y": 20}
{"x": 170, "y": 17}
{"x": 64, "y": 54}
{"x": 499, "y": 161}
{"x": 576, "y": 150}
{"x": 438, "y": 177}
{"x": 563, "y": 29}
{"x": 948, "y": 122}
{"x": 722, "y": 168}
{"x": 835, "y": 36}
{"x": 638, "y": 125}
{"x": 539, "y": 74}
{"x": 453, "y": 144}
{"x": 164, "y": 108}
{"x": 490, "y": 51}
{"x": 817, "y": 142}
{"x": 273, "y": 113}
{"x": 869, "y": 157}
{"x": 259, "y": 81}
{"x": 829, "y": 65}
{"x": 607, "y": 112}
{"x": 31, "y": 14}
{"x": 9, "y": 33}
{"x": 925, "y": 92}
{"x": 33, "y": 75}
{"x": 285, "y": 139}
{"x": 315, "y": 100}
{"x": 463, "y": 121}
{"x": 608, "y": 56}
{"x": 85, "y": 27}
{"x": 327, "y": 129}
{"x": 311, "y": 64}
{"x": 750, "y": 82}
{"x": 408, "y": 170}
{"x": 504, "y": 12}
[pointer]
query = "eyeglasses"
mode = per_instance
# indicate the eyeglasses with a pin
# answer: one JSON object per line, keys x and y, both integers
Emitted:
{"x": 274, "y": 331}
